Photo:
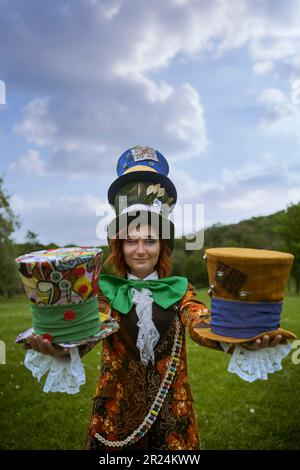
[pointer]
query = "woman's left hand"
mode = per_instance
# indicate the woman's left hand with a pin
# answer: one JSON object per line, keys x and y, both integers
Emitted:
{"x": 265, "y": 342}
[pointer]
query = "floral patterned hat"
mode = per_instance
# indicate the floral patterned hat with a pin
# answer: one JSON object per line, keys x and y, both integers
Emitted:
{"x": 142, "y": 193}
{"x": 247, "y": 288}
{"x": 62, "y": 286}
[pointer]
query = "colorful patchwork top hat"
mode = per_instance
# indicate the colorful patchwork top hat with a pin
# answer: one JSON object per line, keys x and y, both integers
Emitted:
{"x": 62, "y": 286}
{"x": 247, "y": 287}
{"x": 143, "y": 192}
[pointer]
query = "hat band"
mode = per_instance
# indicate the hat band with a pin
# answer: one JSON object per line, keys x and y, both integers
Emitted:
{"x": 67, "y": 323}
{"x": 238, "y": 319}
{"x": 140, "y": 168}
{"x": 141, "y": 207}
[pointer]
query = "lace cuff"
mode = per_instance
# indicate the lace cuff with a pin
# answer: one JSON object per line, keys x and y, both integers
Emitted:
{"x": 253, "y": 365}
{"x": 65, "y": 373}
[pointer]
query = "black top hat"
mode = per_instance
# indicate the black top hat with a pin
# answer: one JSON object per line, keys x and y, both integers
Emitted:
{"x": 143, "y": 193}
{"x": 142, "y": 163}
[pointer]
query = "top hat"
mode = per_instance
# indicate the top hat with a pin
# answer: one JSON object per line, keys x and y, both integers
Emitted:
{"x": 142, "y": 192}
{"x": 141, "y": 163}
{"x": 62, "y": 286}
{"x": 247, "y": 289}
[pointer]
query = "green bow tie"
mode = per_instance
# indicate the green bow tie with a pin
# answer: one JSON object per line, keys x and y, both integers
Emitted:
{"x": 165, "y": 291}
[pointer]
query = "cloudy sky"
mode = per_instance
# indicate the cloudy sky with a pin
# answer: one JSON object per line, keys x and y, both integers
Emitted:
{"x": 212, "y": 84}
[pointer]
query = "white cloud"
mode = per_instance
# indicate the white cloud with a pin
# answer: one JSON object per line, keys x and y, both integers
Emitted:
{"x": 83, "y": 138}
{"x": 29, "y": 164}
{"x": 62, "y": 220}
{"x": 247, "y": 201}
{"x": 261, "y": 68}
{"x": 19, "y": 205}
{"x": 187, "y": 121}
{"x": 272, "y": 49}
{"x": 257, "y": 187}
{"x": 100, "y": 76}
{"x": 36, "y": 127}
{"x": 191, "y": 189}
{"x": 112, "y": 11}
{"x": 256, "y": 201}
{"x": 266, "y": 166}
{"x": 280, "y": 116}
{"x": 96, "y": 72}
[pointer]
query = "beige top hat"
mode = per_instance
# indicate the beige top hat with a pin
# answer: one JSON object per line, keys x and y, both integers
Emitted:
{"x": 247, "y": 289}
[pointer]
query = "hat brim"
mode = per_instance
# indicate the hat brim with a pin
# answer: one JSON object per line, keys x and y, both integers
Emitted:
{"x": 108, "y": 325}
{"x": 208, "y": 334}
{"x": 137, "y": 176}
{"x": 122, "y": 221}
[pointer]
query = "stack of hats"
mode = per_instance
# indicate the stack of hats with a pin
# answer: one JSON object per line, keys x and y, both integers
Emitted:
{"x": 142, "y": 192}
{"x": 62, "y": 287}
{"x": 247, "y": 289}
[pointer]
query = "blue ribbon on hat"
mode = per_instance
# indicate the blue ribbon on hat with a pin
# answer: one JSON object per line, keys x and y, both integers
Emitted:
{"x": 238, "y": 319}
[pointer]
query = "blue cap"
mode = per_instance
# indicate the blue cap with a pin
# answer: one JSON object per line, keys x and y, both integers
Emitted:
{"x": 142, "y": 158}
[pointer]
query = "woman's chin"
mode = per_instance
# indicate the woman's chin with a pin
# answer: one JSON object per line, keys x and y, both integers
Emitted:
{"x": 141, "y": 271}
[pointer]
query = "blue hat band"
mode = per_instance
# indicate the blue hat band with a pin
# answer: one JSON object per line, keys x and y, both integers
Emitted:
{"x": 244, "y": 319}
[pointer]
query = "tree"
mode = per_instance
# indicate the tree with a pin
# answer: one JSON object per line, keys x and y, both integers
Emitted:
{"x": 178, "y": 260}
{"x": 195, "y": 270}
{"x": 289, "y": 229}
{"x": 31, "y": 238}
{"x": 9, "y": 278}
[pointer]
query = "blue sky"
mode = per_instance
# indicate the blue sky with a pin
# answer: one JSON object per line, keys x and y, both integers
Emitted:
{"x": 213, "y": 85}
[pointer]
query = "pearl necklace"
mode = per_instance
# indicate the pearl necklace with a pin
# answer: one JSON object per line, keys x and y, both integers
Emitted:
{"x": 151, "y": 416}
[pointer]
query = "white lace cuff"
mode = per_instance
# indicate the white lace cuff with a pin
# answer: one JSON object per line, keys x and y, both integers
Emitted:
{"x": 253, "y": 365}
{"x": 66, "y": 373}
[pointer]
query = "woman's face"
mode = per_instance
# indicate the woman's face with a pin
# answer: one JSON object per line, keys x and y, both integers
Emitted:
{"x": 141, "y": 252}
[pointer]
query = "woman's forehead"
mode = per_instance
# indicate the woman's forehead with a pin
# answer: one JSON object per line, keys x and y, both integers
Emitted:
{"x": 143, "y": 231}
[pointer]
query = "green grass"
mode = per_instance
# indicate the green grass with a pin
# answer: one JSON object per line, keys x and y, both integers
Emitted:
{"x": 31, "y": 419}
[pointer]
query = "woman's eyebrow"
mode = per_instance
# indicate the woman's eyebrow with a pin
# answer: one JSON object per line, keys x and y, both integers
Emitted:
{"x": 149, "y": 237}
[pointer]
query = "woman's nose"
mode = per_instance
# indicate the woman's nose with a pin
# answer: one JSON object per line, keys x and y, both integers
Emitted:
{"x": 140, "y": 247}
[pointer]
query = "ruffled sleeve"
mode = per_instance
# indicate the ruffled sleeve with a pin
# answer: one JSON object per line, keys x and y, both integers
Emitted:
{"x": 194, "y": 313}
{"x": 251, "y": 365}
{"x": 65, "y": 374}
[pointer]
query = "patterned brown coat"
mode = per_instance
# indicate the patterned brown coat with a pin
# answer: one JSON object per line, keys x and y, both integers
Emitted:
{"x": 126, "y": 388}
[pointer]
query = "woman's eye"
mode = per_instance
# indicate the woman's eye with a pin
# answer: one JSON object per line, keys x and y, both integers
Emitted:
{"x": 132, "y": 242}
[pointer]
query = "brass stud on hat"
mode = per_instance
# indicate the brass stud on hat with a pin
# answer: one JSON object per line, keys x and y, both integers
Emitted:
{"x": 211, "y": 290}
{"x": 243, "y": 295}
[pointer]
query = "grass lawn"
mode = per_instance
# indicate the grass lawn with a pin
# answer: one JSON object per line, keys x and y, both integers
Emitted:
{"x": 31, "y": 419}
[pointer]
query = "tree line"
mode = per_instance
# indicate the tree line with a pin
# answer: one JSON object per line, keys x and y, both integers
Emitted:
{"x": 279, "y": 231}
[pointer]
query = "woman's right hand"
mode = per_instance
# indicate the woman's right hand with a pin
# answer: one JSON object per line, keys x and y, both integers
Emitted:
{"x": 38, "y": 343}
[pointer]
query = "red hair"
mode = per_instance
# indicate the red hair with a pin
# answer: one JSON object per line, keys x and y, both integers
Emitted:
{"x": 117, "y": 258}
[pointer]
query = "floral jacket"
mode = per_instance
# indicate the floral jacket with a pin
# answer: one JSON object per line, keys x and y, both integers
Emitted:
{"x": 126, "y": 388}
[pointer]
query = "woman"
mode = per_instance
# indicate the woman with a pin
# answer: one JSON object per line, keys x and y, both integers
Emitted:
{"x": 128, "y": 408}
{"x": 129, "y": 382}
